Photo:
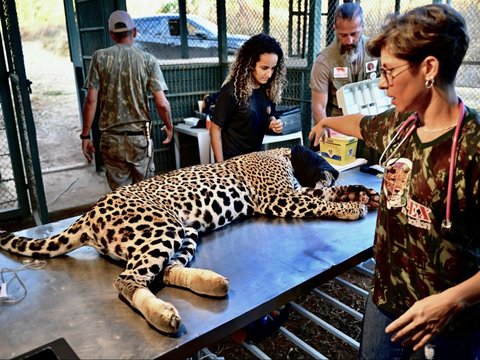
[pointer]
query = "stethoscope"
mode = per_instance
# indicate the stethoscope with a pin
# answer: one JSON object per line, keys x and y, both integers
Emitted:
{"x": 406, "y": 130}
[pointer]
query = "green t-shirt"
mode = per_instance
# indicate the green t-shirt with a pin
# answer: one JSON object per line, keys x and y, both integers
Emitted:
{"x": 414, "y": 258}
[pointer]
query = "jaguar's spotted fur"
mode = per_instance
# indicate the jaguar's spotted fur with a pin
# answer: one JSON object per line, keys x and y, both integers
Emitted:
{"x": 154, "y": 225}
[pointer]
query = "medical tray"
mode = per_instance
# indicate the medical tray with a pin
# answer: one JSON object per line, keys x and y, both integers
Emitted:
{"x": 363, "y": 97}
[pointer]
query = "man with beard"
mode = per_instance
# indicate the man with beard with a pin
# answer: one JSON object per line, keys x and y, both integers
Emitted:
{"x": 344, "y": 61}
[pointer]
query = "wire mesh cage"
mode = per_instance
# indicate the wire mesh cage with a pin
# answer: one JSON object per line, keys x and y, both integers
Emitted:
{"x": 303, "y": 27}
{"x": 192, "y": 65}
{"x": 8, "y": 193}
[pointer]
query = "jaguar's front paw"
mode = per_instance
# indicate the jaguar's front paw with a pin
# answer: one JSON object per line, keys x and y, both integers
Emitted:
{"x": 351, "y": 211}
{"x": 361, "y": 194}
{"x": 373, "y": 199}
{"x": 160, "y": 314}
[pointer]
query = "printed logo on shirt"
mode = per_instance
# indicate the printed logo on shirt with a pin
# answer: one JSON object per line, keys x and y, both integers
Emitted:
{"x": 395, "y": 182}
{"x": 395, "y": 187}
{"x": 340, "y": 72}
{"x": 418, "y": 215}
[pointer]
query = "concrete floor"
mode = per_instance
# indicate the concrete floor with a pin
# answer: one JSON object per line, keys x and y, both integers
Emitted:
{"x": 68, "y": 191}
{"x": 74, "y": 189}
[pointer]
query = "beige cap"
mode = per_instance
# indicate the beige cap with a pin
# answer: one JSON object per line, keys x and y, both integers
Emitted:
{"x": 120, "y": 21}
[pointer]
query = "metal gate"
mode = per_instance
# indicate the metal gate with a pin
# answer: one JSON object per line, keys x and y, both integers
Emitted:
{"x": 21, "y": 186}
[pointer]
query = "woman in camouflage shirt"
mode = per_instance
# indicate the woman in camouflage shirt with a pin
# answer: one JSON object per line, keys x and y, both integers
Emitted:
{"x": 425, "y": 301}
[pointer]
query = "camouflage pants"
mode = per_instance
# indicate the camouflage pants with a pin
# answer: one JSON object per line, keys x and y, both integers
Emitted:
{"x": 125, "y": 158}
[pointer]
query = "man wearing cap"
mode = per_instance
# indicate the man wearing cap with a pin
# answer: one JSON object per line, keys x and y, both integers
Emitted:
{"x": 119, "y": 80}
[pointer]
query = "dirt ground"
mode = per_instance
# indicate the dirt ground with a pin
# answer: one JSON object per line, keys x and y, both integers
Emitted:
{"x": 69, "y": 181}
{"x": 55, "y": 106}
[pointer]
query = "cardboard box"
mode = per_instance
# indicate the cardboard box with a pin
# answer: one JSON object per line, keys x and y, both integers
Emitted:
{"x": 339, "y": 149}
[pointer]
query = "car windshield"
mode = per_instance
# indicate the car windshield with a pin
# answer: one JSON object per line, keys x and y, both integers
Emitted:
{"x": 210, "y": 26}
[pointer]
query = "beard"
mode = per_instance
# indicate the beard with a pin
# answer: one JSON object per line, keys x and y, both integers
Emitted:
{"x": 350, "y": 52}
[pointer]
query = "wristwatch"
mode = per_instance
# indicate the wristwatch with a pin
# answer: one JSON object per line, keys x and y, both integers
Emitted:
{"x": 85, "y": 137}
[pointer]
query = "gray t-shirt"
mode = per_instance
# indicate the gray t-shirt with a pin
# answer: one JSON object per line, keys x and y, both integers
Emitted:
{"x": 331, "y": 71}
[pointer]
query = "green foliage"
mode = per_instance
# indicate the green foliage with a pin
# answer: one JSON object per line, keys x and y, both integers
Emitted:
{"x": 43, "y": 20}
{"x": 34, "y": 15}
{"x": 169, "y": 7}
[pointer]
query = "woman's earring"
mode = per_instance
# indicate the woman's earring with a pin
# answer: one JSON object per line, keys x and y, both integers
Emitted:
{"x": 429, "y": 83}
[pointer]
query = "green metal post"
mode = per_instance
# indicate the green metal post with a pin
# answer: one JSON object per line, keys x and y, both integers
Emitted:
{"x": 182, "y": 7}
{"x": 20, "y": 89}
{"x": 222, "y": 38}
{"x": 266, "y": 16}
{"x": 314, "y": 36}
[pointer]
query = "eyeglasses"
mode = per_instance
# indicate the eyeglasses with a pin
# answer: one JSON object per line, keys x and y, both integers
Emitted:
{"x": 387, "y": 73}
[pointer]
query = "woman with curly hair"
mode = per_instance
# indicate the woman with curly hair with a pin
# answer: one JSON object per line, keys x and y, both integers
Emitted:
{"x": 245, "y": 108}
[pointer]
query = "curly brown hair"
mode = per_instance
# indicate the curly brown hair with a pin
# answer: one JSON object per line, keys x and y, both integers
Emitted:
{"x": 241, "y": 70}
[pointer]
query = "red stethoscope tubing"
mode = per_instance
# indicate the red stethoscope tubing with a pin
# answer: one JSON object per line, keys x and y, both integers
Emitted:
{"x": 446, "y": 223}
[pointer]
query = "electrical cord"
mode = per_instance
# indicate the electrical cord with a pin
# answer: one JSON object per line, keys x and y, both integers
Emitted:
{"x": 5, "y": 298}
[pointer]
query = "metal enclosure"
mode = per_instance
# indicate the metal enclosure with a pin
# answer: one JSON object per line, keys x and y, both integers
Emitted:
{"x": 21, "y": 186}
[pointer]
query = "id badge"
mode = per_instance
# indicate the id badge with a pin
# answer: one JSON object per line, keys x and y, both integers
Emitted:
{"x": 340, "y": 72}
{"x": 371, "y": 68}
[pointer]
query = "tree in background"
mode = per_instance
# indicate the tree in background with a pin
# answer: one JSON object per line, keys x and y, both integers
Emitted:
{"x": 43, "y": 20}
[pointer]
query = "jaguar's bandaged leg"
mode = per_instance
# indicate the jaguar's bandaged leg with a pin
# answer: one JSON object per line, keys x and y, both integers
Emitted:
{"x": 157, "y": 312}
{"x": 200, "y": 281}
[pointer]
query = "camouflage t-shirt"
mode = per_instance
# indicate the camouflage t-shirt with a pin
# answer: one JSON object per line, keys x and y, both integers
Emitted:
{"x": 124, "y": 76}
{"x": 414, "y": 258}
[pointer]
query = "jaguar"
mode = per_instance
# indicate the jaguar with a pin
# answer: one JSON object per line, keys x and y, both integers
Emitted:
{"x": 154, "y": 226}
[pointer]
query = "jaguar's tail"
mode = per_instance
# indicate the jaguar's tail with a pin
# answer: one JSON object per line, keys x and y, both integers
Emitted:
{"x": 56, "y": 245}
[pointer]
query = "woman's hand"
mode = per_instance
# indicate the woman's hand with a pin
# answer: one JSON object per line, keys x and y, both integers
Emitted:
{"x": 276, "y": 125}
{"x": 318, "y": 133}
{"x": 423, "y": 320}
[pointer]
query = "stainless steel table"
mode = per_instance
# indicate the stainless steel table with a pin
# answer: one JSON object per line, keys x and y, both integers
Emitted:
{"x": 269, "y": 262}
